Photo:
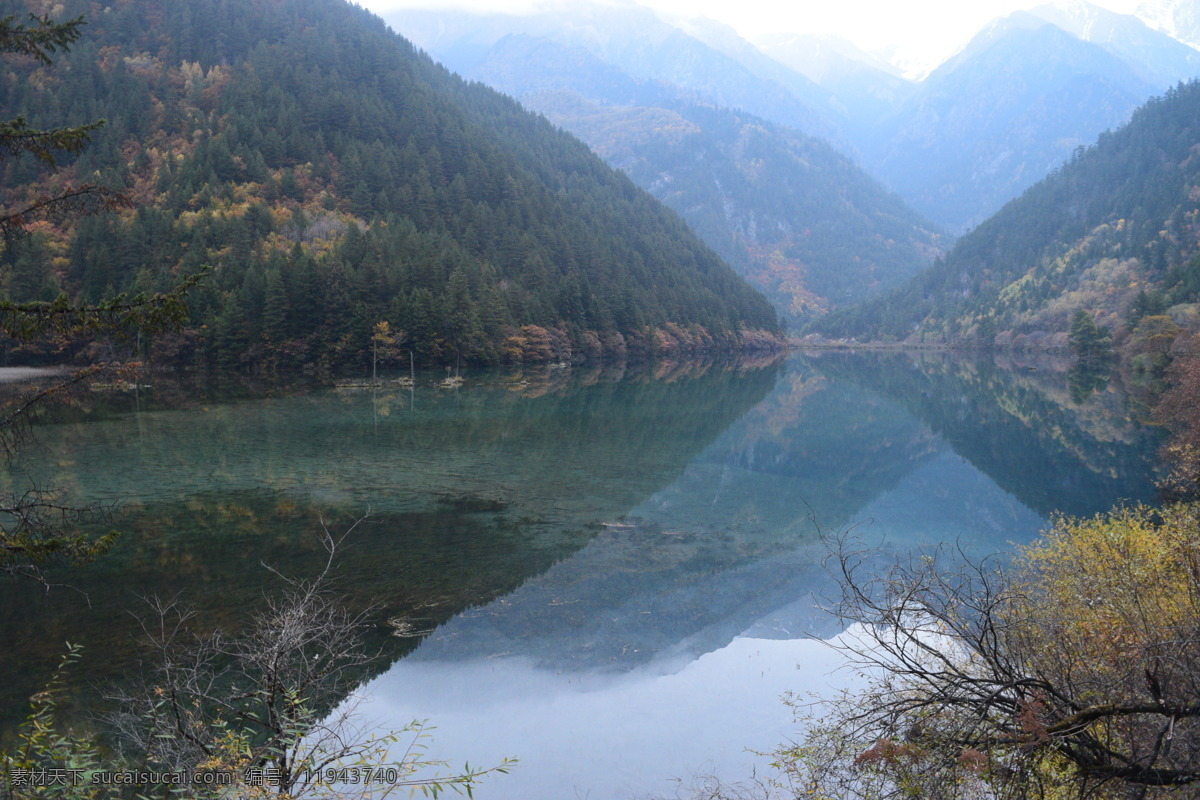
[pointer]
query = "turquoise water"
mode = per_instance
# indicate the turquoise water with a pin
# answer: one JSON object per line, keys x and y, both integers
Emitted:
{"x": 622, "y": 563}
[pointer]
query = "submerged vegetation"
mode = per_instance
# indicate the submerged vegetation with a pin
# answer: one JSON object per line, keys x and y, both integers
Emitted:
{"x": 256, "y": 713}
{"x": 244, "y": 715}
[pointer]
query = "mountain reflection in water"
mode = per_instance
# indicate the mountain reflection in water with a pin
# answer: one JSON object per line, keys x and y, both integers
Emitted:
{"x": 610, "y": 576}
{"x": 660, "y": 649}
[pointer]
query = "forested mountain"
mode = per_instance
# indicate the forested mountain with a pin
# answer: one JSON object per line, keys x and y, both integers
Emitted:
{"x": 517, "y": 480}
{"x": 1003, "y": 113}
{"x": 333, "y": 177}
{"x": 797, "y": 219}
{"x": 1113, "y": 233}
{"x": 800, "y": 221}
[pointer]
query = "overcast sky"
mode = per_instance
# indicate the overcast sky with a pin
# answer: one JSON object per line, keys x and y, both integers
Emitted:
{"x": 919, "y": 30}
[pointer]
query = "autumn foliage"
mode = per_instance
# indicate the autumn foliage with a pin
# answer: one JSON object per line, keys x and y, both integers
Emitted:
{"x": 1179, "y": 410}
{"x": 1074, "y": 672}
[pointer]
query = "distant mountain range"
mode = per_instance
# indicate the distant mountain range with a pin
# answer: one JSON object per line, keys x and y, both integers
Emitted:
{"x": 863, "y": 89}
{"x": 1179, "y": 19}
{"x": 1154, "y": 55}
{"x": 1004, "y": 112}
{"x": 1113, "y": 233}
{"x": 680, "y": 111}
{"x": 1000, "y": 114}
{"x": 675, "y": 102}
{"x": 699, "y": 58}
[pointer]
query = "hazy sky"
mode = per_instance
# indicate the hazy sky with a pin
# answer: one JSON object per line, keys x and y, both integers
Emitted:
{"x": 918, "y": 30}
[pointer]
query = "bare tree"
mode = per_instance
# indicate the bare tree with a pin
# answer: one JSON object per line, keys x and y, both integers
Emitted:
{"x": 1073, "y": 672}
{"x": 268, "y": 704}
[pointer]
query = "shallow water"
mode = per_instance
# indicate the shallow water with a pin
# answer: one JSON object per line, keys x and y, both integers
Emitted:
{"x": 610, "y": 575}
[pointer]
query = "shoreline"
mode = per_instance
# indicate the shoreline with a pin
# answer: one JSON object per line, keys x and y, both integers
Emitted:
{"x": 22, "y": 374}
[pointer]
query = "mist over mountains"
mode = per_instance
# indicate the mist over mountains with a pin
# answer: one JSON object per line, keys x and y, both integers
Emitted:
{"x": 1000, "y": 115}
{"x": 715, "y": 129}
{"x": 815, "y": 168}
{"x": 1179, "y": 19}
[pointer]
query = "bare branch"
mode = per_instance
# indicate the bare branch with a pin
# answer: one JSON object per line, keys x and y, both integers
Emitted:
{"x": 270, "y": 697}
{"x": 1076, "y": 670}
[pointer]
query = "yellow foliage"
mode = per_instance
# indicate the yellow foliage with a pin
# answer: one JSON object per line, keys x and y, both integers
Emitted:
{"x": 1074, "y": 673}
{"x": 1101, "y": 596}
{"x": 1118, "y": 567}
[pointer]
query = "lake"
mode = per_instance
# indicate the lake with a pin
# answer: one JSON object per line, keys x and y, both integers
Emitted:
{"x": 612, "y": 574}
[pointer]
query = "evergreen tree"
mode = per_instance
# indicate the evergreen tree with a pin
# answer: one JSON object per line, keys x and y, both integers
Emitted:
{"x": 332, "y": 186}
{"x": 1089, "y": 341}
{"x": 34, "y": 527}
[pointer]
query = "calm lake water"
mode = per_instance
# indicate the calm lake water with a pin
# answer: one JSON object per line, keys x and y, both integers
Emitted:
{"x": 611, "y": 575}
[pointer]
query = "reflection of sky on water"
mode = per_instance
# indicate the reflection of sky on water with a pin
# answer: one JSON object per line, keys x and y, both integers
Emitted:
{"x": 611, "y": 735}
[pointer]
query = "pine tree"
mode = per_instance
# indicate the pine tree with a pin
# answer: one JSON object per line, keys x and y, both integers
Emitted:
{"x": 34, "y": 527}
{"x": 1088, "y": 340}
{"x": 39, "y": 37}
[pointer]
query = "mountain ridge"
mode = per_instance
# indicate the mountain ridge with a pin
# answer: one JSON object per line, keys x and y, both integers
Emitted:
{"x": 333, "y": 177}
{"x": 799, "y": 220}
{"x": 998, "y": 116}
{"x": 1112, "y": 233}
